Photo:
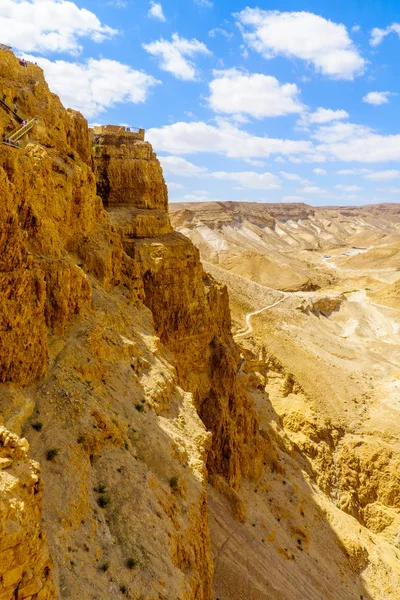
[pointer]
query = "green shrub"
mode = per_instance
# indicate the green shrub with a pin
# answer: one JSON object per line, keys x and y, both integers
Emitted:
{"x": 103, "y": 500}
{"x": 52, "y": 453}
{"x": 37, "y": 426}
{"x": 139, "y": 407}
{"x": 104, "y": 567}
{"x": 101, "y": 488}
{"x": 131, "y": 563}
{"x": 173, "y": 482}
{"x": 81, "y": 439}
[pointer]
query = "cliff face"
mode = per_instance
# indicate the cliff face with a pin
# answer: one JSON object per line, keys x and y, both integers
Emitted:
{"x": 117, "y": 364}
{"x": 190, "y": 309}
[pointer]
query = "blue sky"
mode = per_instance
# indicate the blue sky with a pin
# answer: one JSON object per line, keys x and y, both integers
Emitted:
{"x": 289, "y": 101}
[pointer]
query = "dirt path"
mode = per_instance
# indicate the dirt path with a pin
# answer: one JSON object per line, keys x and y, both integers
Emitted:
{"x": 249, "y": 327}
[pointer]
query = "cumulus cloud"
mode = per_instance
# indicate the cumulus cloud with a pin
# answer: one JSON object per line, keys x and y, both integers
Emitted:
{"x": 304, "y": 35}
{"x": 250, "y": 179}
{"x": 176, "y": 165}
{"x": 323, "y": 115}
{"x": 225, "y": 138}
{"x": 312, "y": 189}
{"x": 175, "y": 55}
{"x": 378, "y": 35}
{"x": 97, "y": 84}
{"x": 383, "y": 175}
{"x": 318, "y": 171}
{"x": 377, "y": 98}
{"x": 337, "y": 132}
{"x": 348, "y": 188}
{"x": 345, "y": 142}
{"x": 350, "y": 142}
{"x": 49, "y": 25}
{"x": 294, "y": 177}
{"x": 237, "y": 92}
{"x": 156, "y": 11}
{"x": 353, "y": 171}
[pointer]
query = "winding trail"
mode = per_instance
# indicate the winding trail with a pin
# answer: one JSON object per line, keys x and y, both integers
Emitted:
{"x": 249, "y": 327}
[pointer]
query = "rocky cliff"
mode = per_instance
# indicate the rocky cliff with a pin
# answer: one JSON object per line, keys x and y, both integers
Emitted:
{"x": 165, "y": 472}
{"x": 116, "y": 362}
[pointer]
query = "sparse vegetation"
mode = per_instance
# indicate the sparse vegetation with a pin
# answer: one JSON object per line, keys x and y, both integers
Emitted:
{"x": 37, "y": 426}
{"x": 131, "y": 563}
{"x": 123, "y": 589}
{"x": 173, "y": 482}
{"x": 52, "y": 453}
{"x": 104, "y": 567}
{"x": 139, "y": 407}
{"x": 103, "y": 501}
{"x": 101, "y": 488}
{"x": 81, "y": 439}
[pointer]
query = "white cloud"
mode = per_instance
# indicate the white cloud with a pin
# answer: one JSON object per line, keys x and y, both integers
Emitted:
{"x": 174, "y": 56}
{"x": 206, "y": 3}
{"x": 355, "y": 28}
{"x": 319, "y": 171}
{"x": 250, "y": 179}
{"x": 175, "y": 186}
{"x": 93, "y": 86}
{"x": 377, "y": 34}
{"x": 348, "y": 188}
{"x": 238, "y": 92}
{"x": 176, "y": 165}
{"x": 255, "y": 163}
{"x": 221, "y": 31}
{"x": 225, "y": 138}
{"x": 293, "y": 199}
{"x": 49, "y": 25}
{"x": 349, "y": 142}
{"x": 383, "y": 175}
{"x": 302, "y": 35}
{"x": 312, "y": 189}
{"x": 324, "y": 115}
{"x": 294, "y": 177}
{"x": 337, "y": 132}
{"x": 390, "y": 190}
{"x": 377, "y": 98}
{"x": 353, "y": 171}
{"x": 345, "y": 142}
{"x": 156, "y": 11}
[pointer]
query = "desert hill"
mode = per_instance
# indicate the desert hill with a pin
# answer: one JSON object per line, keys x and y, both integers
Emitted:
{"x": 389, "y": 295}
{"x": 263, "y": 241}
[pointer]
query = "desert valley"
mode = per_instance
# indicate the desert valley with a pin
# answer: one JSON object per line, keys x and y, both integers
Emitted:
{"x": 314, "y": 294}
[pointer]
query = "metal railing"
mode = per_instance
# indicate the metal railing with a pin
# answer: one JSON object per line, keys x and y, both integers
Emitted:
{"x": 4, "y": 105}
{"x": 21, "y": 131}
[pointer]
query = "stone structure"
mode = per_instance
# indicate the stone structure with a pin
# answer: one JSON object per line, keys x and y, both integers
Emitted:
{"x": 133, "y": 132}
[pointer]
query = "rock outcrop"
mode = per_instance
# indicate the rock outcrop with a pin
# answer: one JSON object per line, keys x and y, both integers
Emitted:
{"x": 25, "y": 564}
